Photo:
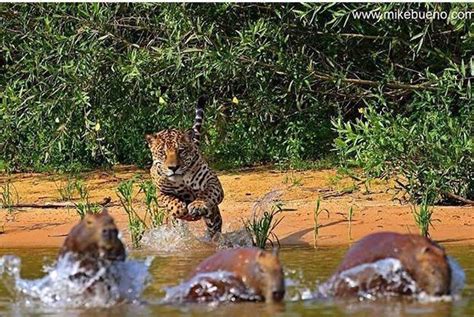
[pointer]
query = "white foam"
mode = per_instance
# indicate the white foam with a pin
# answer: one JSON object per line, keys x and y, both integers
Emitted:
{"x": 390, "y": 270}
{"x": 67, "y": 284}
{"x": 237, "y": 238}
{"x": 174, "y": 238}
{"x": 297, "y": 287}
{"x": 219, "y": 286}
{"x": 169, "y": 238}
{"x": 396, "y": 278}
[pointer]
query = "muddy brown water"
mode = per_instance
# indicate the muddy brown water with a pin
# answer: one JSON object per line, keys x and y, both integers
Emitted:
{"x": 305, "y": 267}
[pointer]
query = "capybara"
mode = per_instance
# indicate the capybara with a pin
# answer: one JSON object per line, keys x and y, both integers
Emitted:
{"x": 424, "y": 261}
{"x": 93, "y": 241}
{"x": 252, "y": 271}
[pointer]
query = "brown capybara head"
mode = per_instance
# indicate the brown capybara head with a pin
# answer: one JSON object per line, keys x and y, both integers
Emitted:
{"x": 271, "y": 276}
{"x": 432, "y": 272}
{"x": 95, "y": 236}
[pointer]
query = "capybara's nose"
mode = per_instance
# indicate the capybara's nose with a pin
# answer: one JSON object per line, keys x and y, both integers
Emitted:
{"x": 109, "y": 234}
{"x": 278, "y": 295}
{"x": 440, "y": 290}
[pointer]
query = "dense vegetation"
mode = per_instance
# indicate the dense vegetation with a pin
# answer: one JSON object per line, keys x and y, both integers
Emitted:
{"x": 82, "y": 83}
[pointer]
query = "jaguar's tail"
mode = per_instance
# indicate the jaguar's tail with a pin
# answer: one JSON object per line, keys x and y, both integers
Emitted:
{"x": 198, "y": 119}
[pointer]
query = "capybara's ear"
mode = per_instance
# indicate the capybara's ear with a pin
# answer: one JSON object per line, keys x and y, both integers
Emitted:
{"x": 433, "y": 249}
{"x": 105, "y": 201}
{"x": 88, "y": 219}
{"x": 426, "y": 249}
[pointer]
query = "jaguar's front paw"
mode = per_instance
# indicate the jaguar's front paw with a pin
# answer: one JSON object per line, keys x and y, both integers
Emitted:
{"x": 179, "y": 210}
{"x": 198, "y": 209}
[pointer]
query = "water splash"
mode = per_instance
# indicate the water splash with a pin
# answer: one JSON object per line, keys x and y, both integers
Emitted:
{"x": 370, "y": 280}
{"x": 236, "y": 234}
{"x": 458, "y": 277}
{"x": 384, "y": 278}
{"x": 297, "y": 287}
{"x": 266, "y": 202}
{"x": 236, "y": 238}
{"x": 177, "y": 236}
{"x": 217, "y": 286}
{"x": 221, "y": 286}
{"x": 170, "y": 238}
{"x": 174, "y": 238}
{"x": 67, "y": 284}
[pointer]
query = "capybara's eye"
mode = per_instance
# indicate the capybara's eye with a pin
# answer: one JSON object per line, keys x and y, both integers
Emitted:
{"x": 109, "y": 234}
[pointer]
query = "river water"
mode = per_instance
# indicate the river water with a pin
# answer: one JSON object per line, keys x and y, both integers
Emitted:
{"x": 305, "y": 269}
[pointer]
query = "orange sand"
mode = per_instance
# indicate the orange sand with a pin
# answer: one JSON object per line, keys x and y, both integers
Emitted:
{"x": 373, "y": 211}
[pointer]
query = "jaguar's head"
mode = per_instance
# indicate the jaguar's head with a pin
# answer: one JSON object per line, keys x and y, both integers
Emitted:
{"x": 173, "y": 151}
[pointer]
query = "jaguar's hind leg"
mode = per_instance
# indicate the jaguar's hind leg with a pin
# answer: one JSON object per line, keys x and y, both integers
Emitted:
{"x": 213, "y": 222}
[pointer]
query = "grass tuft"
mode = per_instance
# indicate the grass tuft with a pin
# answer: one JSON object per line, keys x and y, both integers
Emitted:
{"x": 317, "y": 211}
{"x": 66, "y": 189}
{"x": 293, "y": 180}
{"x": 350, "y": 215}
{"x": 136, "y": 225}
{"x": 8, "y": 195}
{"x": 156, "y": 213}
{"x": 423, "y": 217}
{"x": 261, "y": 227}
{"x": 84, "y": 206}
{"x": 263, "y": 222}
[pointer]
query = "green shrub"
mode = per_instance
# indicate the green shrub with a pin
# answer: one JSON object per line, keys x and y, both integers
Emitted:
{"x": 429, "y": 150}
{"x": 81, "y": 84}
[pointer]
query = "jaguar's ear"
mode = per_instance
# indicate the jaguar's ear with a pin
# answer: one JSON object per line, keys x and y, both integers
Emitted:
{"x": 151, "y": 138}
{"x": 189, "y": 135}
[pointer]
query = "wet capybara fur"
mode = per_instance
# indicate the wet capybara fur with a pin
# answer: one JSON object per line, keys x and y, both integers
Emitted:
{"x": 424, "y": 261}
{"x": 253, "y": 271}
{"x": 94, "y": 241}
